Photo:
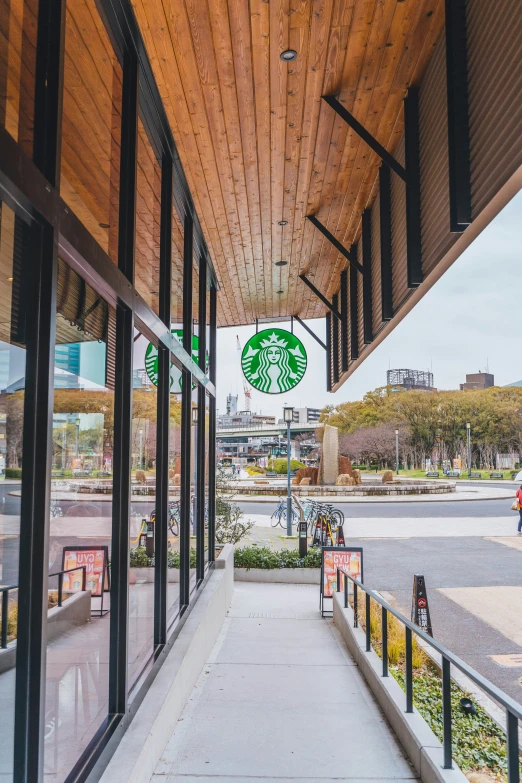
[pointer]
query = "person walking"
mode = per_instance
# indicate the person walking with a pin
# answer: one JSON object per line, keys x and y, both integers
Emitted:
{"x": 518, "y": 495}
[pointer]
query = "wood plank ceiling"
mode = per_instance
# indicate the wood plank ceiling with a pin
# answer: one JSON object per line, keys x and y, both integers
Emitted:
{"x": 258, "y": 144}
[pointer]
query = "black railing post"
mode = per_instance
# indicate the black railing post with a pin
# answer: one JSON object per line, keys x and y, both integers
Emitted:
{"x": 60, "y": 588}
{"x": 512, "y": 748}
{"x": 446, "y": 713}
{"x": 355, "y": 606}
{"x": 345, "y": 592}
{"x": 84, "y": 578}
{"x": 338, "y": 583}
{"x": 368, "y": 629}
{"x": 384, "y": 623}
{"x": 5, "y": 600}
{"x": 409, "y": 671}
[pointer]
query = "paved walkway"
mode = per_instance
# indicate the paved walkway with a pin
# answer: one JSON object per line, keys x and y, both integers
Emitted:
{"x": 280, "y": 699}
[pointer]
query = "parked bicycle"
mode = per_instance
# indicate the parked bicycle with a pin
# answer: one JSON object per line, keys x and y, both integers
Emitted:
{"x": 279, "y": 515}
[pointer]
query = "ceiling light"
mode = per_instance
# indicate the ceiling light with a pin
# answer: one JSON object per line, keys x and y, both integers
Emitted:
{"x": 104, "y": 225}
{"x": 288, "y": 55}
{"x": 283, "y": 222}
{"x": 281, "y": 263}
{"x": 280, "y": 292}
{"x": 10, "y": 279}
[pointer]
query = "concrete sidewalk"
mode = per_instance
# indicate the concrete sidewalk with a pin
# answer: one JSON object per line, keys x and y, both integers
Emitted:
{"x": 281, "y": 699}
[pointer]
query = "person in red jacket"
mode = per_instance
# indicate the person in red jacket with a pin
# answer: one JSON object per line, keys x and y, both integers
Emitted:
{"x": 518, "y": 495}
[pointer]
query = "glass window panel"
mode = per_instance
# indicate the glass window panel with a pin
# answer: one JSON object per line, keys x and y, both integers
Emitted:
{"x": 91, "y": 125}
{"x": 193, "y": 484}
{"x": 18, "y": 27}
{"x": 76, "y": 697}
{"x": 143, "y": 494}
{"x": 13, "y": 252}
{"x": 148, "y": 195}
{"x": 207, "y": 472}
{"x": 174, "y": 492}
{"x": 176, "y": 306}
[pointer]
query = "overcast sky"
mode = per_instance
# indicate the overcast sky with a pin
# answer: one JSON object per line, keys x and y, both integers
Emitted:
{"x": 470, "y": 319}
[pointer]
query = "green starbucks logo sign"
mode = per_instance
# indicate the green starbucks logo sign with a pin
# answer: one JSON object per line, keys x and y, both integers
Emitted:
{"x": 273, "y": 361}
{"x": 151, "y": 362}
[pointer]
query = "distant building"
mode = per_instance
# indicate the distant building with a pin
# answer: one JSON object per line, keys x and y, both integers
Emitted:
{"x": 306, "y": 415}
{"x": 478, "y": 380}
{"x": 411, "y": 380}
{"x": 231, "y": 404}
{"x": 243, "y": 419}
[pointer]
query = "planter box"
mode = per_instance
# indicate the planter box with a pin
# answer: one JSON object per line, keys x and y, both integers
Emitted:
{"x": 76, "y": 610}
{"x": 147, "y": 574}
{"x": 298, "y": 576}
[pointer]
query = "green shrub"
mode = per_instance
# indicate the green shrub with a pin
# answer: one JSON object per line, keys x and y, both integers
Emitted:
{"x": 263, "y": 557}
{"x": 15, "y": 473}
{"x": 139, "y": 559}
{"x": 280, "y": 465}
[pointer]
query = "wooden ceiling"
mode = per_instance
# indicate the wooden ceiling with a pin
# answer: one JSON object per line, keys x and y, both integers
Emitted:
{"x": 259, "y": 145}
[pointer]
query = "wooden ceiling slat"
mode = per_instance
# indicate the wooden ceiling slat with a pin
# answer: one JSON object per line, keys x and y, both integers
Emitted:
{"x": 257, "y": 143}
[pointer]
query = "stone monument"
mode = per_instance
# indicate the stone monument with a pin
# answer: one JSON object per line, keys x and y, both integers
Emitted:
{"x": 329, "y": 469}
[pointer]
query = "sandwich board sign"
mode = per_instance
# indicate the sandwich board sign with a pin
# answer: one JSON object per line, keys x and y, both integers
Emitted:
{"x": 347, "y": 558}
{"x": 420, "y": 610}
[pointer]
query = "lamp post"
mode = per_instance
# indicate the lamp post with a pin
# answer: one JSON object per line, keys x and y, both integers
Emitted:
{"x": 468, "y": 431}
{"x": 397, "y": 452}
{"x": 288, "y": 415}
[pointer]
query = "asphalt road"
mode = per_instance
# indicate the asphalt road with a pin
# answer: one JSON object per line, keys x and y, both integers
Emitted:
{"x": 446, "y": 508}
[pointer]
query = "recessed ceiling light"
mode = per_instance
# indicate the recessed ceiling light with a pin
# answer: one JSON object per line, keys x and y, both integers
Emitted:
{"x": 288, "y": 55}
{"x": 281, "y": 263}
{"x": 10, "y": 279}
{"x": 279, "y": 292}
{"x": 283, "y": 222}
{"x": 104, "y": 225}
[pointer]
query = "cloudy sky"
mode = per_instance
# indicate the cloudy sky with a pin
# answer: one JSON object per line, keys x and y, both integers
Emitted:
{"x": 471, "y": 319}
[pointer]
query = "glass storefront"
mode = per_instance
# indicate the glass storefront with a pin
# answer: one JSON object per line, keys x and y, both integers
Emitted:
{"x": 98, "y": 541}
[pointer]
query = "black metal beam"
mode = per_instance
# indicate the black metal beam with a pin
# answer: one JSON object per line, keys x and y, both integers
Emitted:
{"x": 163, "y": 412}
{"x": 386, "y": 243}
{"x": 458, "y": 116}
{"x": 312, "y": 334}
{"x": 212, "y": 430}
{"x": 367, "y": 279}
{"x": 49, "y": 89}
{"x": 328, "y": 352}
{"x": 367, "y": 137}
{"x": 335, "y": 242}
{"x": 413, "y": 194}
{"x": 186, "y": 421}
{"x": 354, "y": 314}
{"x": 320, "y": 296}
{"x": 344, "y": 321}
{"x": 200, "y": 445}
{"x": 33, "y": 562}
{"x": 335, "y": 342}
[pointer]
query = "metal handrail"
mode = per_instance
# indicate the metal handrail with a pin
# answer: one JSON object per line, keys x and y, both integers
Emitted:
{"x": 512, "y": 707}
{"x": 5, "y": 598}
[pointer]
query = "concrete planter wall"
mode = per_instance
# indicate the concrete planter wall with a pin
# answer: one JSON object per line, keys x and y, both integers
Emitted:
{"x": 299, "y": 576}
{"x": 381, "y": 490}
{"x": 147, "y": 574}
{"x": 76, "y": 610}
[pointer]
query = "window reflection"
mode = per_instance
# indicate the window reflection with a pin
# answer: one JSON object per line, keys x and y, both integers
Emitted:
{"x": 143, "y": 504}
{"x": 81, "y": 523}
{"x": 148, "y": 192}
{"x": 174, "y": 497}
{"x": 13, "y": 253}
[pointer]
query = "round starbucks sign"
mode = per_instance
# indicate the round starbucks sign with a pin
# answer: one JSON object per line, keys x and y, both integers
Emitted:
{"x": 151, "y": 362}
{"x": 273, "y": 361}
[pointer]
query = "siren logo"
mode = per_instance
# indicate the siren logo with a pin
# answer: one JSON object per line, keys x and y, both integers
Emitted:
{"x": 274, "y": 361}
{"x": 151, "y": 362}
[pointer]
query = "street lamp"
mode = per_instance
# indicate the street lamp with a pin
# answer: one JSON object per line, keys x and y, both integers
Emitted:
{"x": 288, "y": 415}
{"x": 468, "y": 431}
{"x": 397, "y": 451}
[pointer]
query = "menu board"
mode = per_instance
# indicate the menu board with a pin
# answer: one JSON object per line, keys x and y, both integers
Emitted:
{"x": 96, "y": 562}
{"x": 349, "y": 559}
